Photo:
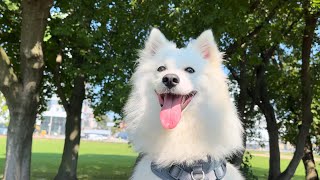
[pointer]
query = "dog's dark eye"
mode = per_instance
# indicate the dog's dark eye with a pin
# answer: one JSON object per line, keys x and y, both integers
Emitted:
{"x": 161, "y": 68}
{"x": 189, "y": 70}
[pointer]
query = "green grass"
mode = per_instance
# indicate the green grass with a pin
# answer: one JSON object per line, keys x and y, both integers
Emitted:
{"x": 260, "y": 165}
{"x": 100, "y": 161}
{"x": 97, "y": 160}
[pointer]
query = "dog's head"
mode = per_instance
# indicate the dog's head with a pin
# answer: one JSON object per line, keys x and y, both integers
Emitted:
{"x": 178, "y": 76}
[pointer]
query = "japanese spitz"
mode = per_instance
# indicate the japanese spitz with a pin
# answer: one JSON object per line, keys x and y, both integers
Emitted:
{"x": 180, "y": 110}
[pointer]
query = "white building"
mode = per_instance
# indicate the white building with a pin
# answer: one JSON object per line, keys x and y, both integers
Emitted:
{"x": 52, "y": 121}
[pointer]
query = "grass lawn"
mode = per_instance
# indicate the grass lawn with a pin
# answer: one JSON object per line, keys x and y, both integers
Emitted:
{"x": 260, "y": 167}
{"x": 97, "y": 161}
{"x": 101, "y": 161}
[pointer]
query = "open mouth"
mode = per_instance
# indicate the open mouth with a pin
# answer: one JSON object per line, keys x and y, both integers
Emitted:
{"x": 185, "y": 99}
{"x": 172, "y": 106}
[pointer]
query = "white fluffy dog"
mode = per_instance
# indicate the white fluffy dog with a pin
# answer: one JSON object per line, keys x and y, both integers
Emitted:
{"x": 179, "y": 112}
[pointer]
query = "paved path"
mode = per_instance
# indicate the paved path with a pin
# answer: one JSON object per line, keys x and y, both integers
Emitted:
{"x": 283, "y": 156}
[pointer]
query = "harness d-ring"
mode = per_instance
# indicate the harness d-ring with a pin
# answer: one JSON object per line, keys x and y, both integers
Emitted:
{"x": 203, "y": 176}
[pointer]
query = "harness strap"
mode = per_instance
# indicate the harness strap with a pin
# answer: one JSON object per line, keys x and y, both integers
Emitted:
{"x": 211, "y": 170}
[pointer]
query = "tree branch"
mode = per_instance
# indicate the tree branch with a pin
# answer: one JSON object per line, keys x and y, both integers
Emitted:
{"x": 243, "y": 40}
{"x": 57, "y": 82}
{"x": 9, "y": 82}
{"x": 57, "y": 76}
{"x": 252, "y": 34}
{"x": 232, "y": 48}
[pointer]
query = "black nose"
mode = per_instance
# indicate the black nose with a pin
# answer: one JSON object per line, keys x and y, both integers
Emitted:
{"x": 170, "y": 80}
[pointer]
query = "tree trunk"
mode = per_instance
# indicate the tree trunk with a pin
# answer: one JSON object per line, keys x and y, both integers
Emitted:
{"x": 266, "y": 107}
{"x": 241, "y": 105}
{"x": 19, "y": 143}
{"x": 22, "y": 93}
{"x": 274, "y": 150}
{"x": 69, "y": 162}
{"x": 308, "y": 161}
{"x": 274, "y": 160}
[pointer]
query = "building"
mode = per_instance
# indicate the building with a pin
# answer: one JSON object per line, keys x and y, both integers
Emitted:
{"x": 52, "y": 122}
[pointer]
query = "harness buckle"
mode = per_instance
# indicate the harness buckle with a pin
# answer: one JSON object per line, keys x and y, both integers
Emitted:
{"x": 175, "y": 172}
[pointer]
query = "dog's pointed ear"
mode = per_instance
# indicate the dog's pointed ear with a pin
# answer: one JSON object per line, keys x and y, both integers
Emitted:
{"x": 207, "y": 46}
{"x": 156, "y": 41}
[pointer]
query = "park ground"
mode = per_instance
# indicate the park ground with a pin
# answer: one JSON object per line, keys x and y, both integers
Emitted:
{"x": 114, "y": 161}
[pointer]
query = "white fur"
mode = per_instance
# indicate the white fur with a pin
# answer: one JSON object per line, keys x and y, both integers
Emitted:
{"x": 209, "y": 125}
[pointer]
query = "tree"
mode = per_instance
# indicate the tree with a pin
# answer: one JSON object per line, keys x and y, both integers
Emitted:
{"x": 20, "y": 83}
{"x": 263, "y": 97}
{"x": 92, "y": 52}
{"x": 310, "y": 18}
{"x": 67, "y": 69}
{"x": 264, "y": 101}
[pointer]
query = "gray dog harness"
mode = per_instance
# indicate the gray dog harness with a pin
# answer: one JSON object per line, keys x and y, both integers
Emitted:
{"x": 200, "y": 170}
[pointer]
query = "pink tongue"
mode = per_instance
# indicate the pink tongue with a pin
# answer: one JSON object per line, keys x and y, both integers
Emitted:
{"x": 171, "y": 111}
